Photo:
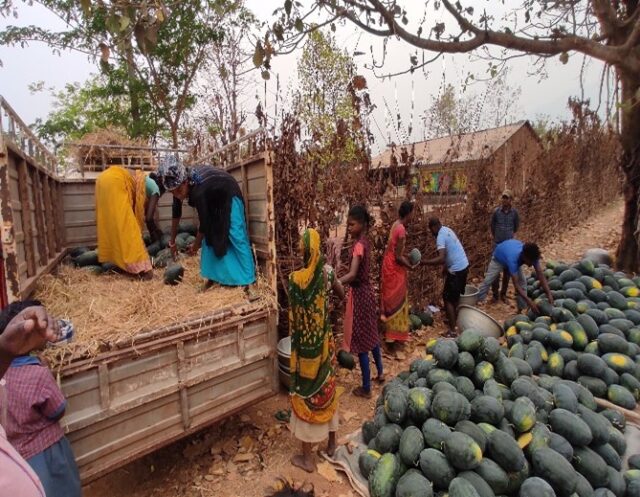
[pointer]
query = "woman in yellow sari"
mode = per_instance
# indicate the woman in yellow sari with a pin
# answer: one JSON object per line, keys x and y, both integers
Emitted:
{"x": 314, "y": 394}
{"x": 121, "y": 198}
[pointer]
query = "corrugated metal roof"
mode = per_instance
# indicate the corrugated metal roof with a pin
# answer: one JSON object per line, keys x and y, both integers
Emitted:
{"x": 451, "y": 149}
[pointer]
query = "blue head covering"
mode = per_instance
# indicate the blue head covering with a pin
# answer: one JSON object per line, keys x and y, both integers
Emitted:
{"x": 171, "y": 172}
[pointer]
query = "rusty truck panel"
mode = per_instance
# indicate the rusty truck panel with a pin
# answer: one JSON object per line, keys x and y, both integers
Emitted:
{"x": 80, "y": 211}
{"x": 30, "y": 206}
{"x": 128, "y": 403}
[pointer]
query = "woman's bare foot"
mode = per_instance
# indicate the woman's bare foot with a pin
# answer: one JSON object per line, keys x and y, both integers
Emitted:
{"x": 206, "y": 286}
{"x": 305, "y": 463}
{"x": 331, "y": 446}
{"x": 146, "y": 276}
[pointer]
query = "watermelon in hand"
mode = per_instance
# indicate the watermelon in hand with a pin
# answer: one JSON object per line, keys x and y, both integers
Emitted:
{"x": 415, "y": 256}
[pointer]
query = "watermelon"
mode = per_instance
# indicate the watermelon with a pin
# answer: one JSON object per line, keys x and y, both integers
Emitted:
{"x": 173, "y": 274}
{"x": 384, "y": 477}
{"x": 413, "y": 484}
{"x": 411, "y": 445}
{"x": 346, "y": 360}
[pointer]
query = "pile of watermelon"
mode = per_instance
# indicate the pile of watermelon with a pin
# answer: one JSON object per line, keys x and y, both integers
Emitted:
{"x": 418, "y": 319}
{"x": 159, "y": 251}
{"x": 590, "y": 335}
{"x": 470, "y": 421}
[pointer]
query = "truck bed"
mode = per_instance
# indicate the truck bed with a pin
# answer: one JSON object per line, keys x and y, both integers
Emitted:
{"x": 162, "y": 382}
{"x": 166, "y": 384}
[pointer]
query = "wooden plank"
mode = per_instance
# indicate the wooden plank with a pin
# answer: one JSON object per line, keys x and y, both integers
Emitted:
{"x": 50, "y": 220}
{"x": 271, "y": 259}
{"x": 245, "y": 190}
{"x": 103, "y": 376}
{"x": 43, "y": 250}
{"x": 58, "y": 210}
{"x": 9, "y": 254}
{"x": 27, "y": 225}
{"x": 182, "y": 388}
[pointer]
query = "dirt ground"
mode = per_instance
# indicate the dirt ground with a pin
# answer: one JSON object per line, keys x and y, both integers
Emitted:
{"x": 244, "y": 455}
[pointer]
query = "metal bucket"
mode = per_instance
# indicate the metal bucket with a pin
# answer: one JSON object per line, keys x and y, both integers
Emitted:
{"x": 472, "y": 318}
{"x": 598, "y": 256}
{"x": 470, "y": 296}
{"x": 284, "y": 352}
{"x": 285, "y": 378}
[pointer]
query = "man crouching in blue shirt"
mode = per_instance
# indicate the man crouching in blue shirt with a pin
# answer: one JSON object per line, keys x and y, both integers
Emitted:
{"x": 511, "y": 255}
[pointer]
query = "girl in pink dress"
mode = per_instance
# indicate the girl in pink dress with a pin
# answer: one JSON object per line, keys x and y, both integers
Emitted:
{"x": 361, "y": 318}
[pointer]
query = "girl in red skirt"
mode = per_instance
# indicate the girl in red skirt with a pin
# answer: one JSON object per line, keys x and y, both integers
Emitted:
{"x": 361, "y": 318}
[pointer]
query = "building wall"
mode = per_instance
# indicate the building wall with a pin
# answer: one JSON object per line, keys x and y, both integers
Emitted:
{"x": 514, "y": 160}
{"x": 511, "y": 163}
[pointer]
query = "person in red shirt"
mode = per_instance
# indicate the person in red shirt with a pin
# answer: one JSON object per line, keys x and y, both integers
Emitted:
{"x": 30, "y": 414}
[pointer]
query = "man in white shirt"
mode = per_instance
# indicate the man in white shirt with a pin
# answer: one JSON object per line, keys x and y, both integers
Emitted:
{"x": 452, "y": 257}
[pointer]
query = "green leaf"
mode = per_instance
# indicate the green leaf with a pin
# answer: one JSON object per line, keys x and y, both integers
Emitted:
{"x": 287, "y": 7}
{"x": 258, "y": 55}
{"x": 278, "y": 30}
{"x": 124, "y": 23}
{"x": 266, "y": 75}
{"x": 299, "y": 25}
{"x": 564, "y": 57}
{"x": 113, "y": 24}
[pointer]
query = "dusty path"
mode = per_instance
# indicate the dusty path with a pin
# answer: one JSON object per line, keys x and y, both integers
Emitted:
{"x": 243, "y": 456}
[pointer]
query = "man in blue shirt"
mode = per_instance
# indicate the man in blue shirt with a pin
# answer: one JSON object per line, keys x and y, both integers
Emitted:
{"x": 510, "y": 255}
{"x": 452, "y": 257}
{"x": 504, "y": 225}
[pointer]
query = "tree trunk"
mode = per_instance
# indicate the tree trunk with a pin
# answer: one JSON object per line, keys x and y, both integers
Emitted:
{"x": 174, "y": 134}
{"x": 134, "y": 92}
{"x": 628, "y": 256}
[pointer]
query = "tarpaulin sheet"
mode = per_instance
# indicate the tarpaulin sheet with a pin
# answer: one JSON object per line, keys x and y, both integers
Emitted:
{"x": 346, "y": 461}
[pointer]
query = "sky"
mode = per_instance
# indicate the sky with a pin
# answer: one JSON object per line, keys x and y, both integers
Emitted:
{"x": 408, "y": 95}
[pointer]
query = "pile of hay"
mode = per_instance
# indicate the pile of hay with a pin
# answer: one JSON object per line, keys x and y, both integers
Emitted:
{"x": 111, "y": 307}
{"x": 88, "y": 150}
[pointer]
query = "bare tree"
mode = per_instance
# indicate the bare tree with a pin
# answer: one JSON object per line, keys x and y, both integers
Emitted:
{"x": 490, "y": 106}
{"x": 227, "y": 80}
{"x": 606, "y": 30}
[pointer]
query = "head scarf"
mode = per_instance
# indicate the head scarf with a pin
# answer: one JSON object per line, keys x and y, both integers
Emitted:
{"x": 171, "y": 172}
{"x": 314, "y": 397}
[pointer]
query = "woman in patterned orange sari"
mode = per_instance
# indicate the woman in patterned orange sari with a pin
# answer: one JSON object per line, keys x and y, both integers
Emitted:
{"x": 394, "y": 302}
{"x": 314, "y": 394}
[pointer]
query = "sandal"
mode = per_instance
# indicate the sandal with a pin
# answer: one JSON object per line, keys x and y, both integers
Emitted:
{"x": 361, "y": 392}
{"x": 449, "y": 334}
{"x": 284, "y": 416}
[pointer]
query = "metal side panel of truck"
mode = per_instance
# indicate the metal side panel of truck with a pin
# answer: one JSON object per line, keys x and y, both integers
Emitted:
{"x": 168, "y": 382}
